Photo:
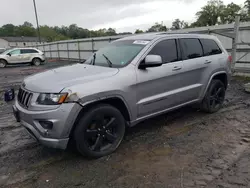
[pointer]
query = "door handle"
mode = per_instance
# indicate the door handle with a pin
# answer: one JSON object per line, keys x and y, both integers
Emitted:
{"x": 208, "y": 62}
{"x": 176, "y": 68}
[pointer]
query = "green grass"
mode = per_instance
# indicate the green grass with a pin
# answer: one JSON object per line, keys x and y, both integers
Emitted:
{"x": 242, "y": 78}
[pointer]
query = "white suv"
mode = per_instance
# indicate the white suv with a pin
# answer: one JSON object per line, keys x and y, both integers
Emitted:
{"x": 21, "y": 55}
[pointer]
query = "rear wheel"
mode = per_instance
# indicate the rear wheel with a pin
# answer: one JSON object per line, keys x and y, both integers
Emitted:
{"x": 3, "y": 63}
{"x": 100, "y": 131}
{"x": 36, "y": 61}
{"x": 215, "y": 96}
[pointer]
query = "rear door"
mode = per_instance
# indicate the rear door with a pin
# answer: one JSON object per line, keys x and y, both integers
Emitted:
{"x": 27, "y": 54}
{"x": 158, "y": 87}
{"x": 215, "y": 61}
{"x": 198, "y": 64}
{"x": 194, "y": 66}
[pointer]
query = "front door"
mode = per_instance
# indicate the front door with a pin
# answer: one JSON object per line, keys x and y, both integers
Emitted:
{"x": 158, "y": 88}
{"x": 14, "y": 56}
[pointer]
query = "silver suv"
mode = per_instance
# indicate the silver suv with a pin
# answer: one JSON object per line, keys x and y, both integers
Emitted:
{"x": 21, "y": 55}
{"x": 130, "y": 80}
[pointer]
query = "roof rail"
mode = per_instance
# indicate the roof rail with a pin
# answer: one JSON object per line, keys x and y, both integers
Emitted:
{"x": 169, "y": 33}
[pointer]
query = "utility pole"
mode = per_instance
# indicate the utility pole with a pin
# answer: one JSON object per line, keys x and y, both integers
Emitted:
{"x": 37, "y": 24}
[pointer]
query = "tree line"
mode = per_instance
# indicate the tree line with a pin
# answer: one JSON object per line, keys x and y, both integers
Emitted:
{"x": 214, "y": 13}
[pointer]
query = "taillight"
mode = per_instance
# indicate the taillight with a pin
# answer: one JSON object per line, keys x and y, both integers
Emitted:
{"x": 230, "y": 59}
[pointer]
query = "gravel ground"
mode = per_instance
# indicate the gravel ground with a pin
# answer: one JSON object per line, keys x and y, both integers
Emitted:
{"x": 181, "y": 149}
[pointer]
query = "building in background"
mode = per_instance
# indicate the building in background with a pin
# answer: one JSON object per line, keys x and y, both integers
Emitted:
{"x": 11, "y": 42}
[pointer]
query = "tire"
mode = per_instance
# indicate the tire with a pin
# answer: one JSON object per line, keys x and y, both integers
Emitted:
{"x": 100, "y": 131}
{"x": 3, "y": 63}
{"x": 214, "y": 97}
{"x": 36, "y": 61}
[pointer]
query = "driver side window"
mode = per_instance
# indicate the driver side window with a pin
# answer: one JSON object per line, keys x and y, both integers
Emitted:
{"x": 15, "y": 52}
{"x": 167, "y": 49}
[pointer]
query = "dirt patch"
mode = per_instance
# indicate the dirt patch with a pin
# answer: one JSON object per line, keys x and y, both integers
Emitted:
{"x": 184, "y": 148}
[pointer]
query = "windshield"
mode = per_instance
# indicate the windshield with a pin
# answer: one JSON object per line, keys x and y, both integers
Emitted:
{"x": 7, "y": 51}
{"x": 117, "y": 54}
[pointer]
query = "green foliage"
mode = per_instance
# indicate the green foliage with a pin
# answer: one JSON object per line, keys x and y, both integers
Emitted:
{"x": 157, "y": 27}
{"x": 215, "y": 12}
{"x": 178, "y": 24}
{"x": 137, "y": 31}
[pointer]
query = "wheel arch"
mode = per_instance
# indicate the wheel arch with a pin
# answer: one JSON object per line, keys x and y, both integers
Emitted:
{"x": 114, "y": 101}
{"x": 4, "y": 60}
{"x": 222, "y": 76}
{"x": 36, "y": 58}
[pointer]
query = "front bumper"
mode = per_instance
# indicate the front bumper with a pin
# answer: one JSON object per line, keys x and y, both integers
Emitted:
{"x": 62, "y": 117}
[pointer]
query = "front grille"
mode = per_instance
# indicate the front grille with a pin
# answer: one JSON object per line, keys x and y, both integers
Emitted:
{"x": 24, "y": 97}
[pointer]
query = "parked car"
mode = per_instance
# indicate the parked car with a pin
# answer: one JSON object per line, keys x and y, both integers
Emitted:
{"x": 2, "y": 50}
{"x": 130, "y": 80}
{"x": 21, "y": 55}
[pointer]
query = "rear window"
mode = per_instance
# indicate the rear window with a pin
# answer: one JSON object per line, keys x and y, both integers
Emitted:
{"x": 210, "y": 47}
{"x": 28, "y": 51}
{"x": 191, "y": 48}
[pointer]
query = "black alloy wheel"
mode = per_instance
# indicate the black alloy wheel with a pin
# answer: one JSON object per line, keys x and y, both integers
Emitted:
{"x": 215, "y": 97}
{"x": 100, "y": 131}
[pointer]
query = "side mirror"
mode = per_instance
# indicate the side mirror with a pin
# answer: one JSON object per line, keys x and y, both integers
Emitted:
{"x": 151, "y": 61}
{"x": 8, "y": 54}
{"x": 82, "y": 61}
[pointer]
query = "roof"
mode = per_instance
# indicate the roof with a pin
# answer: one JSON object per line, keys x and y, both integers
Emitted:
{"x": 158, "y": 35}
{"x": 22, "y": 39}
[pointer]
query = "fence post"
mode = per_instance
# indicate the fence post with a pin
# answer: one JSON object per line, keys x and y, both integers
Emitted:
{"x": 93, "y": 48}
{"x": 67, "y": 49}
{"x": 79, "y": 52}
{"x": 43, "y": 48}
{"x": 58, "y": 52}
{"x": 235, "y": 41}
{"x": 50, "y": 51}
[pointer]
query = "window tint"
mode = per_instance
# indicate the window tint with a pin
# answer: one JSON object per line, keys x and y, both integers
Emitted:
{"x": 167, "y": 50}
{"x": 120, "y": 53}
{"x": 15, "y": 52}
{"x": 191, "y": 48}
{"x": 28, "y": 51}
{"x": 210, "y": 47}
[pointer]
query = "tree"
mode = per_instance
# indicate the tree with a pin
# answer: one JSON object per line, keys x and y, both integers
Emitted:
{"x": 210, "y": 13}
{"x": 50, "y": 34}
{"x": 137, "y": 31}
{"x": 229, "y": 13}
{"x": 157, "y": 28}
{"x": 178, "y": 24}
{"x": 247, "y": 6}
{"x": 111, "y": 32}
{"x": 27, "y": 24}
{"x": 8, "y": 30}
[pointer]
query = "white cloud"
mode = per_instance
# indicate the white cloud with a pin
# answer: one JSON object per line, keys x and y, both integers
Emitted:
{"x": 122, "y": 15}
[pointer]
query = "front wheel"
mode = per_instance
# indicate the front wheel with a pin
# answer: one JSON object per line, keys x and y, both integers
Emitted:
{"x": 100, "y": 131}
{"x": 3, "y": 63}
{"x": 214, "y": 97}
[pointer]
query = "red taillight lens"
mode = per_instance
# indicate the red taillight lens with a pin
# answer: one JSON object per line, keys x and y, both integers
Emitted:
{"x": 230, "y": 59}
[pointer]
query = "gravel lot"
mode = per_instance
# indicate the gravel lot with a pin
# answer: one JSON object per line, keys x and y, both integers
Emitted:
{"x": 181, "y": 149}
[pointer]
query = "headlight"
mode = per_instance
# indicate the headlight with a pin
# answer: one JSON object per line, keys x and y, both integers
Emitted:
{"x": 51, "y": 99}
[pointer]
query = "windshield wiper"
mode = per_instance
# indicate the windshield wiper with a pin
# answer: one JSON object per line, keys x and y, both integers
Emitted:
{"x": 109, "y": 62}
{"x": 93, "y": 61}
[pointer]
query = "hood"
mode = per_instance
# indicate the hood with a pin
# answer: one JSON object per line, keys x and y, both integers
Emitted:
{"x": 55, "y": 80}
